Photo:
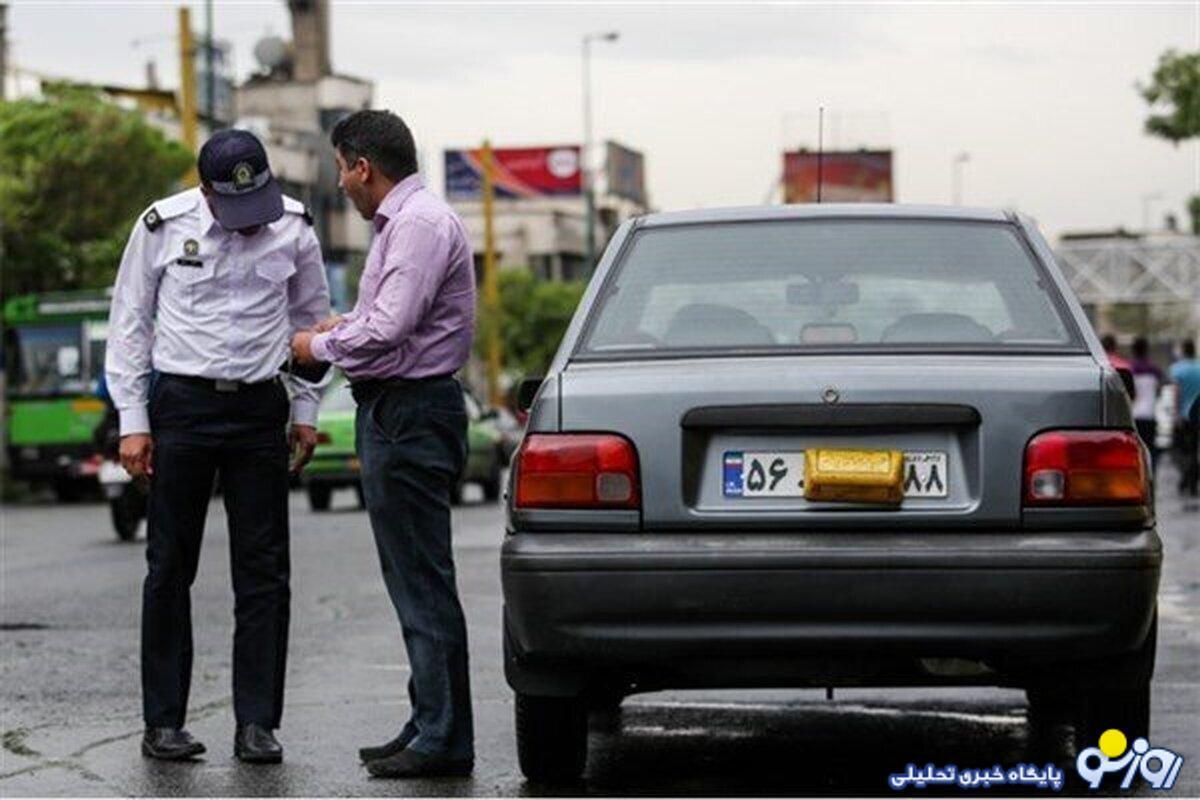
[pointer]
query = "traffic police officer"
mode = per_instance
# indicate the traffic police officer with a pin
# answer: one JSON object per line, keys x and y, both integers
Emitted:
{"x": 212, "y": 285}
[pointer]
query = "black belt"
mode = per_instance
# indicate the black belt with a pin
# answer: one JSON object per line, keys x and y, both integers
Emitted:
{"x": 368, "y": 388}
{"x": 219, "y": 385}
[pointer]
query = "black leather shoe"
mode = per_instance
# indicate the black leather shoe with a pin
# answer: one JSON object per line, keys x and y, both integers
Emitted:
{"x": 254, "y": 744}
{"x": 388, "y": 749}
{"x": 411, "y": 764}
{"x": 170, "y": 744}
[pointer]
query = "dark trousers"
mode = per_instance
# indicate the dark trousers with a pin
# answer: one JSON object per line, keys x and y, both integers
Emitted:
{"x": 1189, "y": 452}
{"x": 1148, "y": 431}
{"x": 200, "y": 433}
{"x": 411, "y": 440}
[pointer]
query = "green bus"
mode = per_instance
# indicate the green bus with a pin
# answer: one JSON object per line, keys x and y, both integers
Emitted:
{"x": 54, "y": 359}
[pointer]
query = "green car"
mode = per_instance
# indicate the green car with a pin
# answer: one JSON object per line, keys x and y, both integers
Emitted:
{"x": 334, "y": 464}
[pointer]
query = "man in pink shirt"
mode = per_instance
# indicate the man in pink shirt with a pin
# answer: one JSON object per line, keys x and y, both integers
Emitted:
{"x": 409, "y": 332}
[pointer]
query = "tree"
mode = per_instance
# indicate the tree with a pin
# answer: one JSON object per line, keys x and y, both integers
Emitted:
{"x": 534, "y": 316}
{"x": 1174, "y": 98}
{"x": 75, "y": 171}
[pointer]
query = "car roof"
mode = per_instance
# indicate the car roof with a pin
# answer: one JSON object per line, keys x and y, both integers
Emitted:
{"x": 823, "y": 210}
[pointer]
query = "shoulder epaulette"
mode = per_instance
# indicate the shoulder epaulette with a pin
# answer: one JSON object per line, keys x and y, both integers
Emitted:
{"x": 293, "y": 206}
{"x": 169, "y": 208}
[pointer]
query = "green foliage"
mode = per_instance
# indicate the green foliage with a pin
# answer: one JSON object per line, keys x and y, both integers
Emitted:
{"x": 75, "y": 171}
{"x": 1175, "y": 88}
{"x": 1194, "y": 213}
{"x": 534, "y": 315}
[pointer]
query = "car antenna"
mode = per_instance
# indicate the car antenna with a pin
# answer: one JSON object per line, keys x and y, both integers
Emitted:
{"x": 820, "y": 148}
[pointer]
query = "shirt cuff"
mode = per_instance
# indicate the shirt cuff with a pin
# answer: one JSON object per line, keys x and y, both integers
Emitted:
{"x": 134, "y": 419}
{"x": 304, "y": 411}
{"x": 320, "y": 348}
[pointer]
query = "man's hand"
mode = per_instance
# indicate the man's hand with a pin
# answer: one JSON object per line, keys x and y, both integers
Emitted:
{"x": 137, "y": 454}
{"x": 328, "y": 324}
{"x": 301, "y": 439}
{"x": 302, "y": 347}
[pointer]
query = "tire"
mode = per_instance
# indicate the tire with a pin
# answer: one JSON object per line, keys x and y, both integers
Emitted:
{"x": 128, "y": 510}
{"x": 551, "y": 738}
{"x": 1114, "y": 693}
{"x": 492, "y": 486}
{"x": 69, "y": 490}
{"x": 362, "y": 498}
{"x": 319, "y": 496}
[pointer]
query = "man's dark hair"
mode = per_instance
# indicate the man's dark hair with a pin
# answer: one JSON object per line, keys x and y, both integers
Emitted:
{"x": 1188, "y": 347}
{"x": 381, "y": 138}
{"x": 1109, "y": 343}
{"x": 1141, "y": 347}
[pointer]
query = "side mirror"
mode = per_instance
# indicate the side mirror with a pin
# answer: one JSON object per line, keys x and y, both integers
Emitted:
{"x": 527, "y": 391}
{"x": 1127, "y": 379}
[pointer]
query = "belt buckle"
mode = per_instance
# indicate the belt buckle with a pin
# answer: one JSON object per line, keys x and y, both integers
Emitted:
{"x": 225, "y": 386}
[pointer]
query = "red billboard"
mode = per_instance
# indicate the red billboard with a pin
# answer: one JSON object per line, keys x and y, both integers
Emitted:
{"x": 859, "y": 176}
{"x": 516, "y": 172}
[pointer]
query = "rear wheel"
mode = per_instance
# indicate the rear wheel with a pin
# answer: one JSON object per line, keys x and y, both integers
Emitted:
{"x": 551, "y": 737}
{"x": 1113, "y": 693}
{"x": 492, "y": 484}
{"x": 128, "y": 510}
{"x": 319, "y": 496}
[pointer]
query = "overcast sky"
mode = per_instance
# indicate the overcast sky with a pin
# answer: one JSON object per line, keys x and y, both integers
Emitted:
{"x": 1042, "y": 96}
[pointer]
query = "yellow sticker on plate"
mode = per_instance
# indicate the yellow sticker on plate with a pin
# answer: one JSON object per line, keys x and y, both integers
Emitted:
{"x": 853, "y": 476}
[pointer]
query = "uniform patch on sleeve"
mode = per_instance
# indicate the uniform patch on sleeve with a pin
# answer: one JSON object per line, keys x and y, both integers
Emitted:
{"x": 152, "y": 219}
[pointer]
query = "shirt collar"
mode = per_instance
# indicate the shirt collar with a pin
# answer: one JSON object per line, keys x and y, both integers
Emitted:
{"x": 394, "y": 200}
{"x": 208, "y": 223}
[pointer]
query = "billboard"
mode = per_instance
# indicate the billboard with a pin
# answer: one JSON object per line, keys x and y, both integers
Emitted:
{"x": 517, "y": 172}
{"x": 625, "y": 173}
{"x": 859, "y": 176}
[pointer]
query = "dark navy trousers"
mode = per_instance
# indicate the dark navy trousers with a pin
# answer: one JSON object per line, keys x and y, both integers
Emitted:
{"x": 200, "y": 433}
{"x": 411, "y": 439}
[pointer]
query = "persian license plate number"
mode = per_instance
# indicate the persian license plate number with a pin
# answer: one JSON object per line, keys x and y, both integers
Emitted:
{"x": 781, "y": 474}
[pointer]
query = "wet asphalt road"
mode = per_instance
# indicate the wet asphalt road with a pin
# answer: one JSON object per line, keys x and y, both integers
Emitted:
{"x": 71, "y": 707}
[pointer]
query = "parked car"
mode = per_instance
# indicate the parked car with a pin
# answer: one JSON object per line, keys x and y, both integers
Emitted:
{"x": 334, "y": 464}
{"x": 819, "y": 446}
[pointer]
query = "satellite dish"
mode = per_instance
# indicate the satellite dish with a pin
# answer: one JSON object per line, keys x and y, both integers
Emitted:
{"x": 271, "y": 52}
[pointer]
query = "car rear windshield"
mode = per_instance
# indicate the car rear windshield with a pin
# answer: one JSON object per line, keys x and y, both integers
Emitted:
{"x": 804, "y": 284}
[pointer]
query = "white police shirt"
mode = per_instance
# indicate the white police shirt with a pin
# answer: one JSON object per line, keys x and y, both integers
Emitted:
{"x": 192, "y": 298}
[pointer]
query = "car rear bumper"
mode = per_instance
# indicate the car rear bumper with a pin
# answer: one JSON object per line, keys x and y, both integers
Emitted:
{"x": 816, "y": 608}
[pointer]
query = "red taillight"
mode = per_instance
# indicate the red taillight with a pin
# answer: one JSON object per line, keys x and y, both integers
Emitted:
{"x": 1085, "y": 468}
{"x": 577, "y": 470}
{"x": 323, "y": 438}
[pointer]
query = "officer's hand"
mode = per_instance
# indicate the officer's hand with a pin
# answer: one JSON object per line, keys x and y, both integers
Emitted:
{"x": 302, "y": 347}
{"x": 328, "y": 324}
{"x": 137, "y": 454}
{"x": 302, "y": 439}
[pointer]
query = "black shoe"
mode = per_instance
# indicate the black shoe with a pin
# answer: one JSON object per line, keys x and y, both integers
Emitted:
{"x": 170, "y": 744}
{"x": 386, "y": 750}
{"x": 409, "y": 763}
{"x": 254, "y": 744}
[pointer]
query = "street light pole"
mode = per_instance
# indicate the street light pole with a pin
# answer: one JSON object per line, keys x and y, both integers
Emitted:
{"x": 956, "y": 190}
{"x": 589, "y": 190}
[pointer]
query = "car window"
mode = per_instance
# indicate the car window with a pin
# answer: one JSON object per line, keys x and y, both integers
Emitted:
{"x": 805, "y": 283}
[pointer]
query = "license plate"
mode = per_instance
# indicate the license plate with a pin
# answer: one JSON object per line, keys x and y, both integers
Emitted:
{"x": 781, "y": 474}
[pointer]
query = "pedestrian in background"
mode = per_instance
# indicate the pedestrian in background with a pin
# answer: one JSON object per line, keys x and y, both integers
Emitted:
{"x": 1147, "y": 380}
{"x": 1185, "y": 373}
{"x": 409, "y": 332}
{"x": 212, "y": 285}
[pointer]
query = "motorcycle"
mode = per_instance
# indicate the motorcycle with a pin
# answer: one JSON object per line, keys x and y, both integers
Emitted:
{"x": 127, "y": 498}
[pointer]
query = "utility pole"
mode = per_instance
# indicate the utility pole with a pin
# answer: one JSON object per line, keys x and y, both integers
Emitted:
{"x": 491, "y": 280}
{"x": 187, "y": 88}
{"x": 3, "y": 49}
{"x": 589, "y": 184}
{"x": 210, "y": 79}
